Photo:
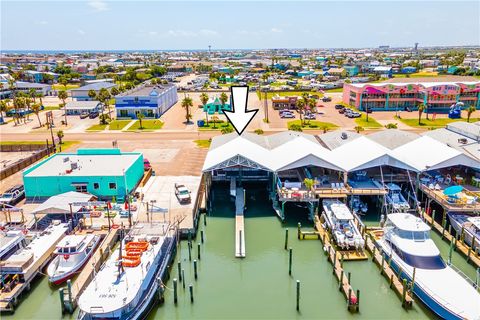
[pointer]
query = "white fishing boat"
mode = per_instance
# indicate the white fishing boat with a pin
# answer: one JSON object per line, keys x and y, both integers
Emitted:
{"x": 340, "y": 221}
{"x": 395, "y": 199}
{"x": 10, "y": 242}
{"x": 470, "y": 225}
{"x": 127, "y": 282}
{"x": 358, "y": 206}
{"x": 406, "y": 241}
{"x": 72, "y": 253}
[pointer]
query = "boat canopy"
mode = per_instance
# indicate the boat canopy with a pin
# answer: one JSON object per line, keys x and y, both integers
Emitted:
{"x": 338, "y": 209}
{"x": 475, "y": 221}
{"x": 408, "y": 222}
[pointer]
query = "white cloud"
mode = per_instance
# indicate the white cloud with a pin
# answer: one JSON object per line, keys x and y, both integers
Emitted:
{"x": 276, "y": 30}
{"x": 81, "y": 32}
{"x": 98, "y": 5}
{"x": 42, "y": 22}
{"x": 207, "y": 32}
{"x": 181, "y": 33}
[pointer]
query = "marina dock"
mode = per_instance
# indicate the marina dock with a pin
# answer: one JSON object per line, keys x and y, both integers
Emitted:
{"x": 457, "y": 242}
{"x": 353, "y": 299}
{"x": 386, "y": 271}
{"x": 239, "y": 223}
{"x": 69, "y": 295}
{"x": 45, "y": 243}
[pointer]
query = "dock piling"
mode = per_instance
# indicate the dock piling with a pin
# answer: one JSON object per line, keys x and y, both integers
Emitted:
{"x": 450, "y": 251}
{"x": 290, "y": 261}
{"x": 198, "y": 249}
{"x": 62, "y": 299}
{"x": 298, "y": 295}
{"x": 204, "y": 219}
{"x": 189, "y": 251}
{"x": 358, "y": 299}
{"x": 404, "y": 292}
{"x": 299, "y": 226}
{"x": 190, "y": 288}
{"x": 286, "y": 239}
{"x": 201, "y": 236}
{"x": 340, "y": 283}
{"x": 195, "y": 269}
{"x": 179, "y": 265}
{"x": 175, "y": 297}
{"x": 183, "y": 279}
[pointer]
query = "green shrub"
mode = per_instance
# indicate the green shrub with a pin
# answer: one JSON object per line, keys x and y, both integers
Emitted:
{"x": 391, "y": 126}
{"x": 227, "y": 129}
{"x": 259, "y": 131}
{"x": 296, "y": 127}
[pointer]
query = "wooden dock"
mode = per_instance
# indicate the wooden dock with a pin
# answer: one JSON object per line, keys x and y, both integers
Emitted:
{"x": 239, "y": 223}
{"x": 69, "y": 295}
{"x": 386, "y": 271}
{"x": 458, "y": 243}
{"x": 352, "y": 297}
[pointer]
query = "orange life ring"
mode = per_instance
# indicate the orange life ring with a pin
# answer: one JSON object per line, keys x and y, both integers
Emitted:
{"x": 115, "y": 226}
{"x": 25, "y": 231}
{"x": 66, "y": 256}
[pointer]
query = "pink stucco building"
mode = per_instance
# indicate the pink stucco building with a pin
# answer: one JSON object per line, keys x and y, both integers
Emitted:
{"x": 437, "y": 96}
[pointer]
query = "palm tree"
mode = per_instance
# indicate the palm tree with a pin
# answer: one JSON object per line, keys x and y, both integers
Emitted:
{"x": 114, "y": 91}
{"x": 92, "y": 94}
{"x": 63, "y": 95}
{"x": 140, "y": 117}
{"x": 470, "y": 110}
{"x": 3, "y": 107}
{"x": 40, "y": 96}
{"x": 204, "y": 100}
{"x": 223, "y": 99}
{"x": 33, "y": 94}
{"x": 60, "y": 136}
{"x": 12, "y": 86}
{"x": 308, "y": 185}
{"x": 312, "y": 105}
{"x": 214, "y": 119}
{"x": 187, "y": 103}
{"x": 421, "y": 108}
{"x": 36, "y": 109}
{"x": 18, "y": 103}
{"x": 358, "y": 129}
{"x": 300, "y": 108}
{"x": 104, "y": 97}
{"x": 63, "y": 81}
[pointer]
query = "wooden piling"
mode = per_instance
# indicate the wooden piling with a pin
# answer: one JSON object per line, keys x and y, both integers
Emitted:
{"x": 201, "y": 236}
{"x": 175, "y": 296}
{"x": 290, "y": 261}
{"x": 198, "y": 251}
{"x": 404, "y": 293}
{"x": 189, "y": 250}
{"x": 179, "y": 267}
{"x": 286, "y": 239}
{"x": 190, "y": 288}
{"x": 195, "y": 269}
{"x": 183, "y": 279}
{"x": 298, "y": 295}
{"x": 299, "y": 226}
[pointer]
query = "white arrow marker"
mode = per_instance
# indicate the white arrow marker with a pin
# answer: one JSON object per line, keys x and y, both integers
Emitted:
{"x": 239, "y": 117}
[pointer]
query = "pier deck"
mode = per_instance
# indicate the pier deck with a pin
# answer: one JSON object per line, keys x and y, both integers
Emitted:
{"x": 87, "y": 273}
{"x": 460, "y": 246}
{"x": 385, "y": 269}
{"x": 239, "y": 224}
{"x": 332, "y": 256}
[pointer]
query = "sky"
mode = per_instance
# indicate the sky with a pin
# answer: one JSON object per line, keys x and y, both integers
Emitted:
{"x": 162, "y": 25}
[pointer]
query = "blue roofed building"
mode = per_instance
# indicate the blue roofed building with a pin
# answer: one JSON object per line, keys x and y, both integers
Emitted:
{"x": 81, "y": 94}
{"x": 409, "y": 70}
{"x": 351, "y": 70}
{"x": 150, "y": 100}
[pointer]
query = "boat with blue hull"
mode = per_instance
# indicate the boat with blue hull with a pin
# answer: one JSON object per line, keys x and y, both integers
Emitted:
{"x": 413, "y": 256}
{"x": 126, "y": 285}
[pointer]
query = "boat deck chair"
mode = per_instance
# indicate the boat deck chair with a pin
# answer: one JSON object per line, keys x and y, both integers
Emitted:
{"x": 333, "y": 186}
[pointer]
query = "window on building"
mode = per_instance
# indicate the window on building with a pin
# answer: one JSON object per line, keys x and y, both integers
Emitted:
{"x": 81, "y": 188}
{"x": 96, "y": 185}
{"x": 112, "y": 185}
{"x": 150, "y": 113}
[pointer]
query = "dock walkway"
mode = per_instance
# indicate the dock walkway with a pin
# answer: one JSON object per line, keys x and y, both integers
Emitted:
{"x": 239, "y": 223}
{"x": 458, "y": 243}
{"x": 386, "y": 270}
{"x": 72, "y": 292}
{"x": 353, "y": 299}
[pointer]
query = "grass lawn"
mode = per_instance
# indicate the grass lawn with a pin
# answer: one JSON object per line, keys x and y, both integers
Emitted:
{"x": 98, "y": 127}
{"x": 372, "y": 123}
{"x": 417, "y": 75}
{"x": 60, "y": 87}
{"x": 433, "y": 124}
{"x": 334, "y": 90}
{"x": 68, "y": 144}
{"x": 65, "y": 144}
{"x": 51, "y": 108}
{"x": 313, "y": 125}
{"x": 218, "y": 126}
{"x": 150, "y": 124}
{"x": 270, "y": 94}
{"x": 118, "y": 124}
{"x": 203, "y": 143}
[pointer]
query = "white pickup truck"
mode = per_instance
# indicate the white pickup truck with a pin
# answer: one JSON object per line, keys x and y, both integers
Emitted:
{"x": 182, "y": 193}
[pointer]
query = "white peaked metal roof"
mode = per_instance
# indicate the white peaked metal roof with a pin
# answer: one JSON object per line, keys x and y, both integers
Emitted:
{"x": 426, "y": 153}
{"x": 61, "y": 202}
{"x": 301, "y": 152}
{"x": 238, "y": 151}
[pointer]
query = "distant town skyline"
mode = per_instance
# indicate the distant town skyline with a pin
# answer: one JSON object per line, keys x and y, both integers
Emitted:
{"x": 128, "y": 25}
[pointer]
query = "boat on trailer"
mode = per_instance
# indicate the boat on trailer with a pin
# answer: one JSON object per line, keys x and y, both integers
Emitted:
{"x": 341, "y": 224}
{"x": 415, "y": 257}
{"x": 395, "y": 199}
{"x": 470, "y": 225}
{"x": 128, "y": 281}
{"x": 72, "y": 253}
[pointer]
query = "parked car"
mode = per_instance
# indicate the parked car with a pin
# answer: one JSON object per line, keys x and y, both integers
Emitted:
{"x": 342, "y": 110}
{"x": 93, "y": 115}
{"x": 326, "y": 99}
{"x": 321, "y": 106}
{"x": 288, "y": 115}
{"x": 339, "y": 106}
{"x": 146, "y": 164}
{"x": 84, "y": 115}
{"x": 13, "y": 195}
{"x": 182, "y": 193}
{"x": 310, "y": 116}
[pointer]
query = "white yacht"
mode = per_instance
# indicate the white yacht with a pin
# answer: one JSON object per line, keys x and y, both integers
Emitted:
{"x": 340, "y": 222}
{"x": 471, "y": 227}
{"x": 72, "y": 253}
{"x": 127, "y": 282}
{"x": 395, "y": 199}
{"x": 10, "y": 242}
{"x": 406, "y": 241}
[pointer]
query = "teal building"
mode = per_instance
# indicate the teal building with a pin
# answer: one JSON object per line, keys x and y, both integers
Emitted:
{"x": 104, "y": 173}
{"x": 215, "y": 105}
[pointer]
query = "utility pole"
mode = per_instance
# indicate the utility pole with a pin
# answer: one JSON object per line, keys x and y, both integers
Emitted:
{"x": 265, "y": 105}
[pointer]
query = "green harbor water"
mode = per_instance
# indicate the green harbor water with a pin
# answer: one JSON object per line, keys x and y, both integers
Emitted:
{"x": 258, "y": 286}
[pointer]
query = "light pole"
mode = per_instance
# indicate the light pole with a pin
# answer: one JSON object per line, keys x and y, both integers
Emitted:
{"x": 127, "y": 198}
